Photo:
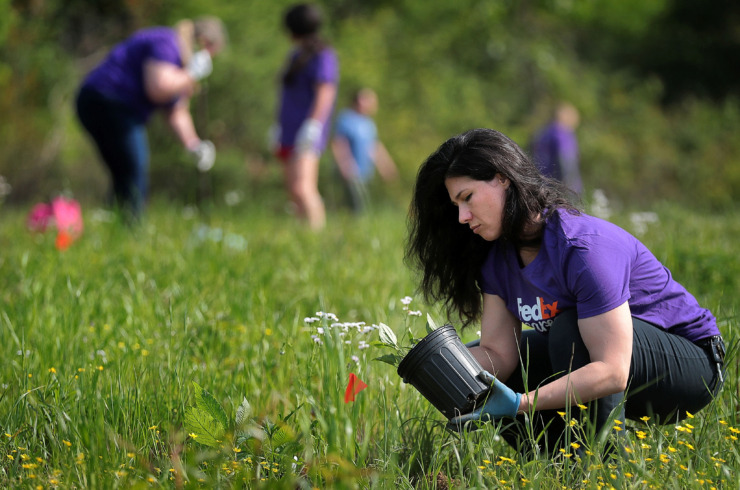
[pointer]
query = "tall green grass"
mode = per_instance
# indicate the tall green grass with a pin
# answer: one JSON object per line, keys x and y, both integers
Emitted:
{"x": 102, "y": 345}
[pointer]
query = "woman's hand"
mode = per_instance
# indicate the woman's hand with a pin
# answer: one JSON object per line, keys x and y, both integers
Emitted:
{"x": 501, "y": 402}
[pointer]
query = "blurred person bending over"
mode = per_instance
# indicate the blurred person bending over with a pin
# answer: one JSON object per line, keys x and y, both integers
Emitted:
{"x": 156, "y": 68}
{"x": 357, "y": 149}
{"x": 308, "y": 91}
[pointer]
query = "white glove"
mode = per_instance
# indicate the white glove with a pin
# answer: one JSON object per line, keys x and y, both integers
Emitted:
{"x": 200, "y": 65}
{"x": 308, "y": 135}
{"x": 204, "y": 155}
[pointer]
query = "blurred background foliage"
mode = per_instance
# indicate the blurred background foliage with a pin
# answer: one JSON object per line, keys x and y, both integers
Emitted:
{"x": 653, "y": 80}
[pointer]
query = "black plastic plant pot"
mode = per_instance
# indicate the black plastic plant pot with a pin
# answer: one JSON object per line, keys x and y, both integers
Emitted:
{"x": 444, "y": 371}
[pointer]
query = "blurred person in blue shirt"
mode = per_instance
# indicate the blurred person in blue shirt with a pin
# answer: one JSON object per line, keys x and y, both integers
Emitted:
{"x": 357, "y": 150}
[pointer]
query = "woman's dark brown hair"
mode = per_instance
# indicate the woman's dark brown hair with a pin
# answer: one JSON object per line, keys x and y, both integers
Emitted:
{"x": 304, "y": 22}
{"x": 448, "y": 254}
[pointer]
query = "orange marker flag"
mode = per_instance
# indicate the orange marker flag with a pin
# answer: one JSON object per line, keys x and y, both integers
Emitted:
{"x": 64, "y": 240}
{"x": 354, "y": 386}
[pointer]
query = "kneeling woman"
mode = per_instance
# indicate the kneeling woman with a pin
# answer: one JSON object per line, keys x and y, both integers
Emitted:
{"x": 611, "y": 329}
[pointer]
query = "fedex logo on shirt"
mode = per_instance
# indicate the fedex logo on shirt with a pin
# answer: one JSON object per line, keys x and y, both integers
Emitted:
{"x": 538, "y": 316}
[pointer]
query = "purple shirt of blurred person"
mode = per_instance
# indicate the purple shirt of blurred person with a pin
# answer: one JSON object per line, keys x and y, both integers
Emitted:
{"x": 555, "y": 152}
{"x": 296, "y": 99}
{"x": 120, "y": 76}
{"x": 592, "y": 266}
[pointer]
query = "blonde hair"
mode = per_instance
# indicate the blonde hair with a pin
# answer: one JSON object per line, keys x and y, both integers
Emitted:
{"x": 210, "y": 29}
{"x": 207, "y": 29}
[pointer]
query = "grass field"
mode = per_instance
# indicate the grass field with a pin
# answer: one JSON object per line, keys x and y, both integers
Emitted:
{"x": 115, "y": 349}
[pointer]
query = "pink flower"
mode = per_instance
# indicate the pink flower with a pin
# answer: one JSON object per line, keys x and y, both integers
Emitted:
{"x": 39, "y": 217}
{"x": 67, "y": 215}
{"x": 64, "y": 214}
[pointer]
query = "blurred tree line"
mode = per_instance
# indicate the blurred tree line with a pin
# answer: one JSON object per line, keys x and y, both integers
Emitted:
{"x": 653, "y": 81}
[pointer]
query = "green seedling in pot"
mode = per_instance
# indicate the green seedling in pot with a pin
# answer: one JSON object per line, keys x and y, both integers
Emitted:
{"x": 388, "y": 339}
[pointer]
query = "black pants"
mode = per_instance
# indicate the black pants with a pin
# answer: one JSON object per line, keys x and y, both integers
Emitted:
{"x": 122, "y": 143}
{"x": 669, "y": 376}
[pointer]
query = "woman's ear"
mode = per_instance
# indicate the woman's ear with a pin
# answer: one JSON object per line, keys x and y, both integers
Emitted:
{"x": 503, "y": 180}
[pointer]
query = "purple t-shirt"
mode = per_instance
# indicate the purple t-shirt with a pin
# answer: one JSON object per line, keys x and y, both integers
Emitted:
{"x": 297, "y": 98}
{"x": 555, "y": 151}
{"x": 592, "y": 266}
{"x": 120, "y": 76}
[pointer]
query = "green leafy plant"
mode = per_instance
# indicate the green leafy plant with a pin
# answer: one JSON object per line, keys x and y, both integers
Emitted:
{"x": 208, "y": 424}
{"x": 206, "y": 421}
{"x": 388, "y": 339}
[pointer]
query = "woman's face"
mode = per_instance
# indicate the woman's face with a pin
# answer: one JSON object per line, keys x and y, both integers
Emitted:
{"x": 480, "y": 203}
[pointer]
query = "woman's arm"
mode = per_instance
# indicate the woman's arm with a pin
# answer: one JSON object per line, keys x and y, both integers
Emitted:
{"x": 343, "y": 156}
{"x": 608, "y": 338}
{"x": 181, "y": 122}
{"x": 311, "y": 130}
{"x": 326, "y": 92}
{"x": 164, "y": 82}
{"x": 499, "y": 338}
{"x": 384, "y": 162}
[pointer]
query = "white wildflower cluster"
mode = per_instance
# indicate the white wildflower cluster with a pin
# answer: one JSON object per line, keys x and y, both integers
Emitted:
{"x": 232, "y": 198}
{"x": 353, "y": 334}
{"x": 233, "y": 241}
{"x": 346, "y": 330}
{"x": 640, "y": 221}
{"x": 600, "y": 205}
{"x": 406, "y": 301}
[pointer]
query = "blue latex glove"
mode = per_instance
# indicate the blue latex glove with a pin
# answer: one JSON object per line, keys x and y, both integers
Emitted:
{"x": 502, "y": 402}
